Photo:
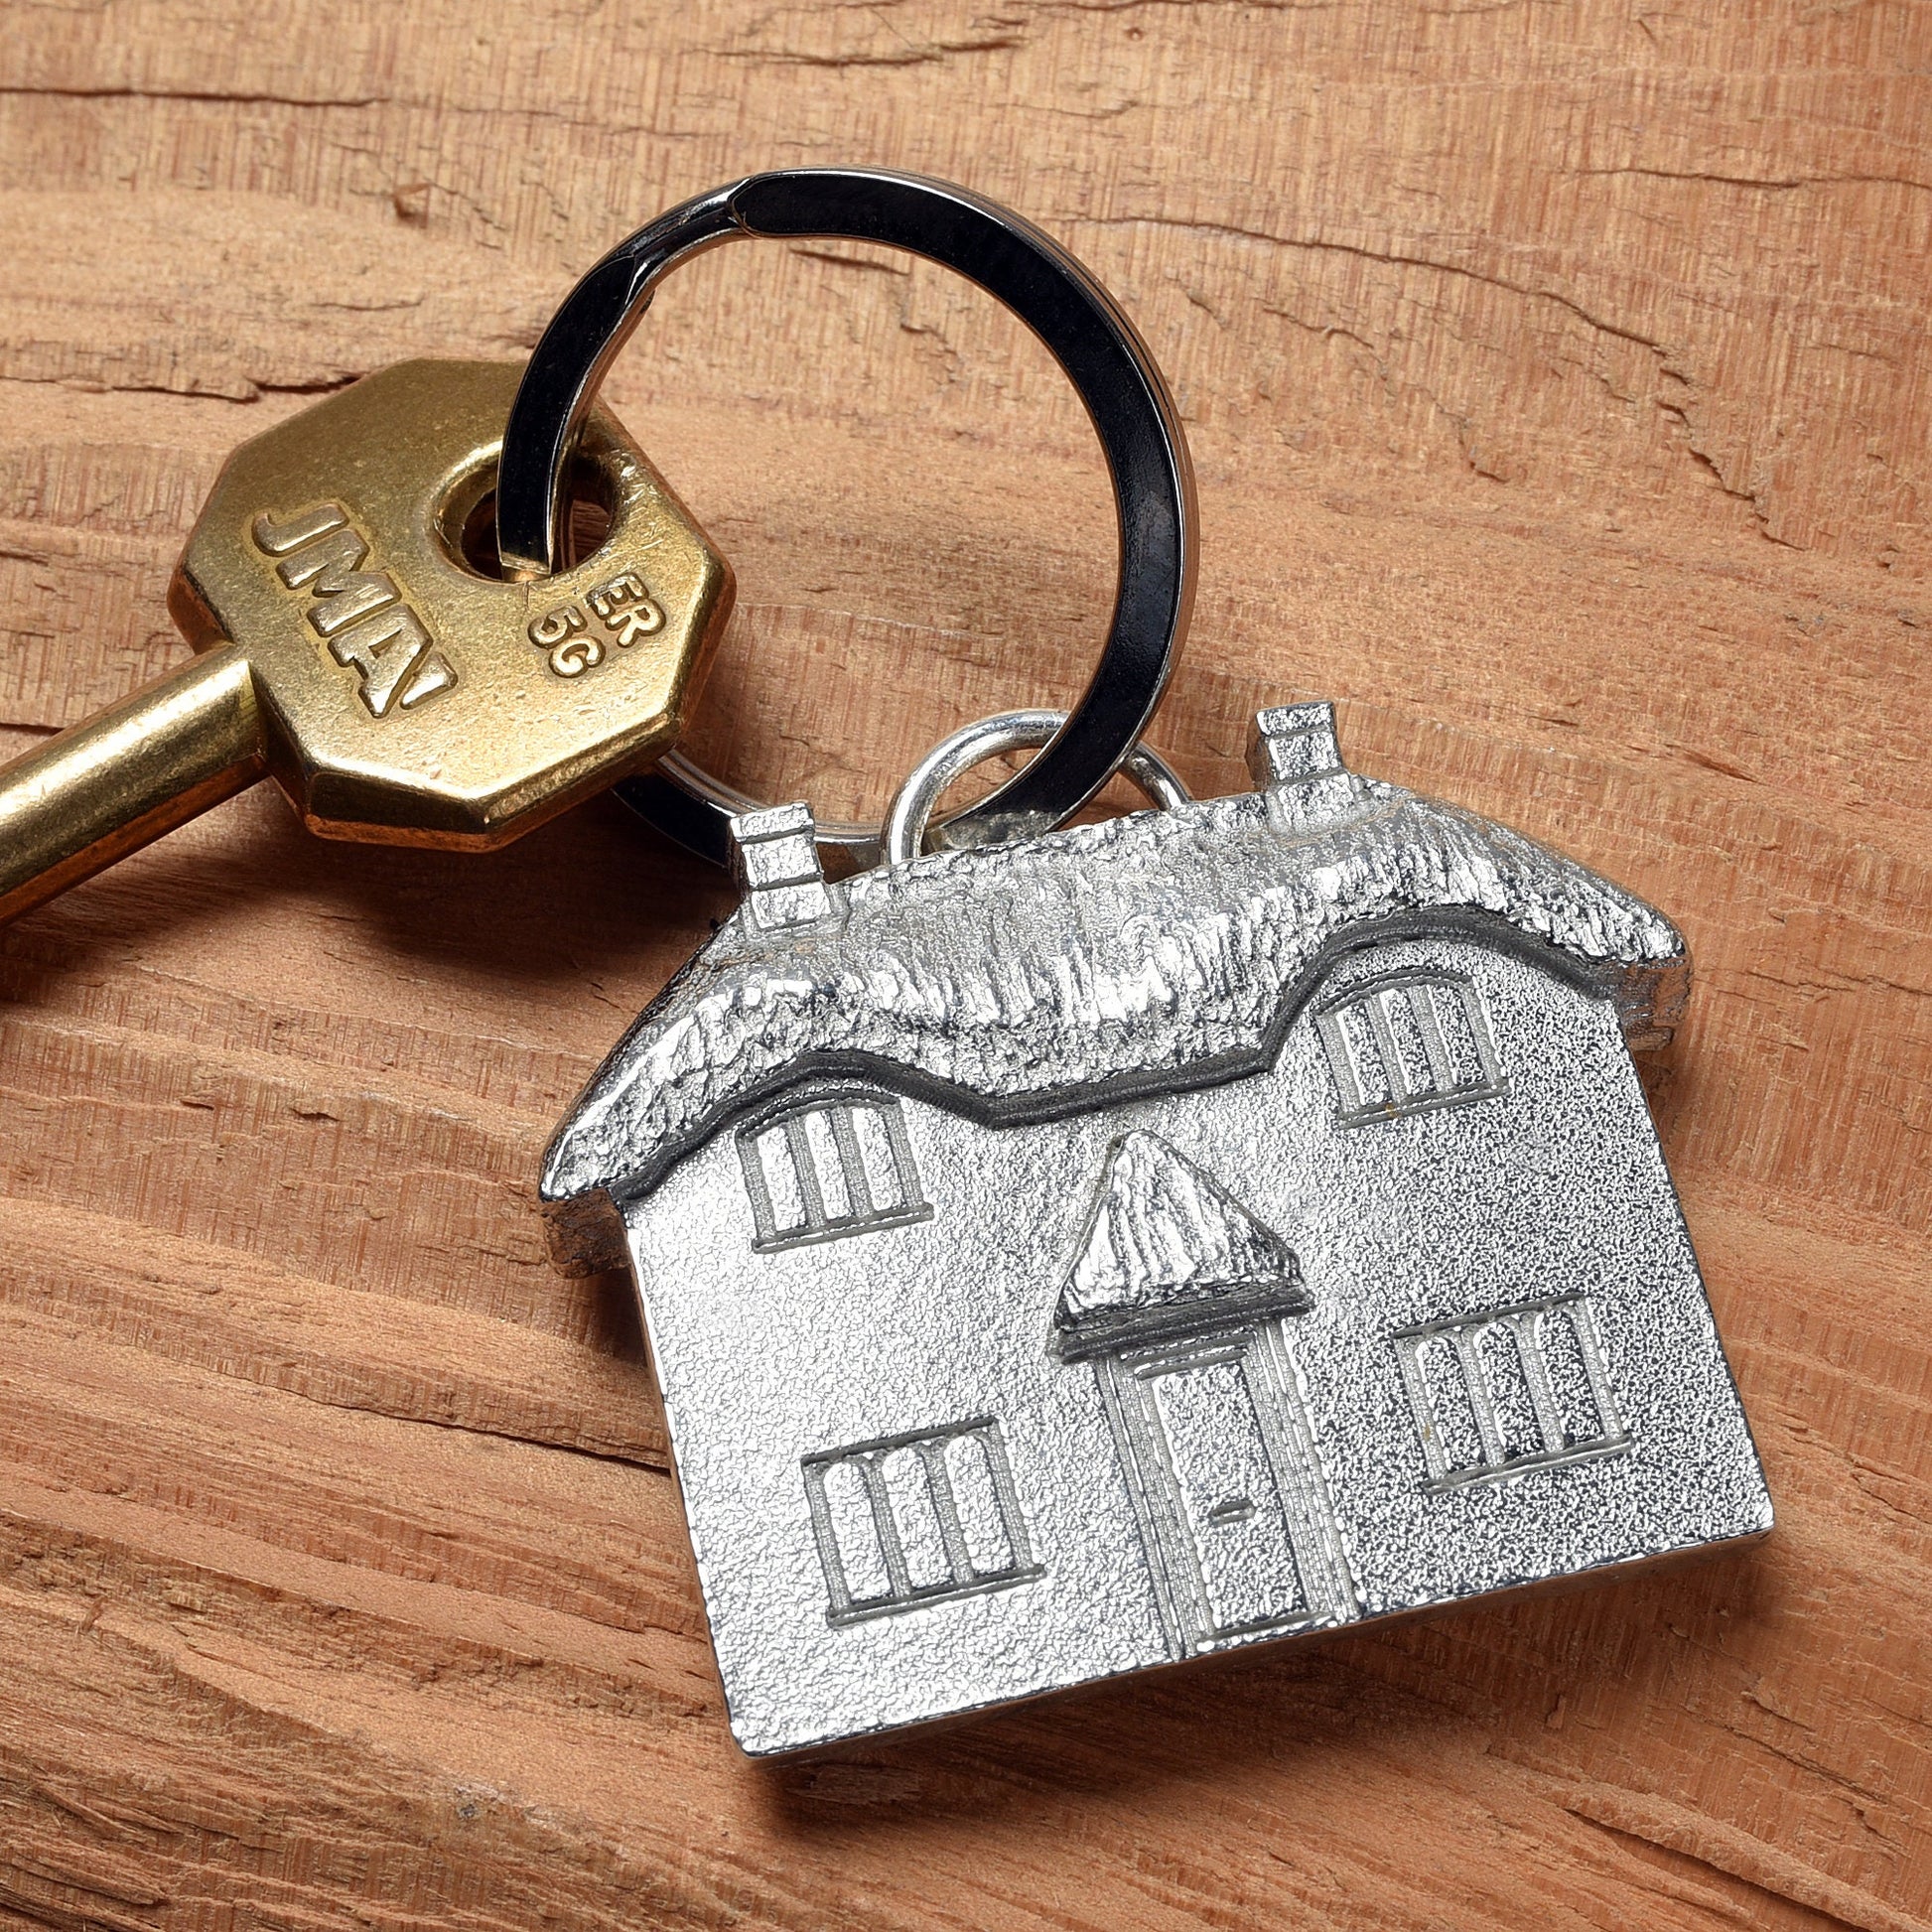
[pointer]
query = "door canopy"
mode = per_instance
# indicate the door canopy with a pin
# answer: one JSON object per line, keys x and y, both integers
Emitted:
{"x": 1168, "y": 1252}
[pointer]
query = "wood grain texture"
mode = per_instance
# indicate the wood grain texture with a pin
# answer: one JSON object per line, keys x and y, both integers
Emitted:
{"x": 1558, "y": 382}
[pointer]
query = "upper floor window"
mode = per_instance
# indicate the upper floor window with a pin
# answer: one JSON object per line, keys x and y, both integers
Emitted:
{"x": 915, "y": 1519}
{"x": 1407, "y": 1042}
{"x": 830, "y": 1168}
{"x": 1509, "y": 1390}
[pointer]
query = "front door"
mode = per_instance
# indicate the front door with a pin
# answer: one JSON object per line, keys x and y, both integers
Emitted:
{"x": 1232, "y": 1508}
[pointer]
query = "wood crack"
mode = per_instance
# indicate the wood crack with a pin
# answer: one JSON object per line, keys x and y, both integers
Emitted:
{"x": 1774, "y": 183}
{"x": 219, "y": 97}
{"x": 924, "y": 53}
{"x": 1737, "y": 1857}
{"x": 1616, "y": 332}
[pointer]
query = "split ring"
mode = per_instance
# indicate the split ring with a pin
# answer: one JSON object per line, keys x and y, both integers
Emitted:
{"x": 1079, "y": 323}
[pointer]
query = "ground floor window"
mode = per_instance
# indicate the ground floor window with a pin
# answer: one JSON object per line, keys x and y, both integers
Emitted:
{"x": 1509, "y": 1390}
{"x": 909, "y": 1520}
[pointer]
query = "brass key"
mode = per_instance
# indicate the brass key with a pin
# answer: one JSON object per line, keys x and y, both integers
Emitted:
{"x": 350, "y": 645}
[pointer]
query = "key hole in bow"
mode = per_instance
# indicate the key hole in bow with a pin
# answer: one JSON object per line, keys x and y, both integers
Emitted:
{"x": 468, "y": 522}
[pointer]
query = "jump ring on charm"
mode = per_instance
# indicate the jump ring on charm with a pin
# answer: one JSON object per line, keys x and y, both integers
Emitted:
{"x": 1079, "y": 323}
{"x": 904, "y": 830}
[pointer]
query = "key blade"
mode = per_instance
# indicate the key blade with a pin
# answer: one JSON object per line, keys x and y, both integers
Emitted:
{"x": 72, "y": 806}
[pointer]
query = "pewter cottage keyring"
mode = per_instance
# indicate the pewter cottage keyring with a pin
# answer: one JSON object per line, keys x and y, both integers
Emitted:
{"x": 1073, "y": 315}
{"x": 1081, "y": 1252}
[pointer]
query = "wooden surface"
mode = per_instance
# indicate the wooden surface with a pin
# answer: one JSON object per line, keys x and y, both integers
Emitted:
{"x": 1558, "y": 381}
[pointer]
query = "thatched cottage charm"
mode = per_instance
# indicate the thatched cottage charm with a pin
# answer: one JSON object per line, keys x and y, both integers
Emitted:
{"x": 1214, "y": 1225}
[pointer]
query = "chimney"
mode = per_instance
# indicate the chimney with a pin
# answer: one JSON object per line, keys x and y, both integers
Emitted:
{"x": 1296, "y": 760}
{"x": 774, "y": 858}
{"x": 1294, "y": 743}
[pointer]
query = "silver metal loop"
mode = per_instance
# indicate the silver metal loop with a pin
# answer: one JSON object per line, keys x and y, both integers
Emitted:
{"x": 1088, "y": 334}
{"x": 681, "y": 798}
{"x": 904, "y": 830}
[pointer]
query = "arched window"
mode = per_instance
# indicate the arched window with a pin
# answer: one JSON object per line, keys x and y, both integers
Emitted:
{"x": 1408, "y": 1043}
{"x": 1509, "y": 1390}
{"x": 828, "y": 1168}
{"x": 909, "y": 1520}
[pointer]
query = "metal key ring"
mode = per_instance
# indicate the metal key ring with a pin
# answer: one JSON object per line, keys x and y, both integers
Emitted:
{"x": 1087, "y": 332}
{"x": 904, "y": 834}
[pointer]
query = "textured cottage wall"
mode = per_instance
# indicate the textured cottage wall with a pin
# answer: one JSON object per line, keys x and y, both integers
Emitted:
{"x": 1553, "y": 1185}
{"x": 1556, "y": 374}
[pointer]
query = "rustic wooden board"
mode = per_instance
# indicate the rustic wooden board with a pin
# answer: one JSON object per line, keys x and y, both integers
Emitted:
{"x": 1557, "y": 377}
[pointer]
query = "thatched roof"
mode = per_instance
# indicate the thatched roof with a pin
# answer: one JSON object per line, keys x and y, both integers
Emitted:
{"x": 1164, "y": 949}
